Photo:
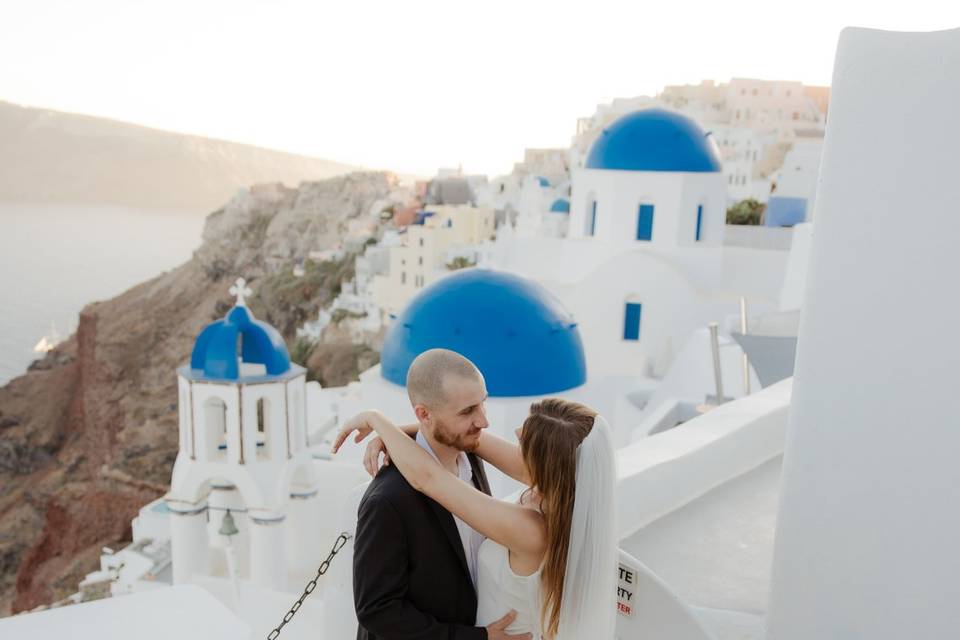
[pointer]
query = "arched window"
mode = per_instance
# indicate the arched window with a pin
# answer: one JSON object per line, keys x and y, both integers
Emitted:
{"x": 632, "y": 311}
{"x": 215, "y": 428}
{"x": 645, "y": 222}
{"x": 263, "y": 429}
{"x": 590, "y": 221}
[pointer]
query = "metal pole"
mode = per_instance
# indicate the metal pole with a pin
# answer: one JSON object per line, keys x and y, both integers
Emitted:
{"x": 715, "y": 348}
{"x": 746, "y": 361}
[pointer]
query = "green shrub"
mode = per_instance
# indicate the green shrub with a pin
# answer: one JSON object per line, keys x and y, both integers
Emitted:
{"x": 749, "y": 211}
{"x": 460, "y": 263}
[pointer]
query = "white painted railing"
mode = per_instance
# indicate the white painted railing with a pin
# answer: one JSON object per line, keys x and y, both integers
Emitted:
{"x": 663, "y": 472}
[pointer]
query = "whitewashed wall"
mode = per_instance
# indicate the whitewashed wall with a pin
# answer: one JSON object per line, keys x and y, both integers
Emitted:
{"x": 675, "y": 196}
{"x": 798, "y": 264}
{"x": 869, "y": 522}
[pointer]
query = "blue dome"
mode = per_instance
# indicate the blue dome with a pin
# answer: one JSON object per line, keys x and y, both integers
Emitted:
{"x": 654, "y": 140}
{"x": 560, "y": 205}
{"x": 519, "y": 335}
{"x": 543, "y": 181}
{"x": 215, "y": 350}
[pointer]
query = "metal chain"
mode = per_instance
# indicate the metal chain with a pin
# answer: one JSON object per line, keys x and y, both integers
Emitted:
{"x": 342, "y": 540}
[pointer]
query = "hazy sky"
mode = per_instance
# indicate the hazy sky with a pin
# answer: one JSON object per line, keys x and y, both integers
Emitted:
{"x": 409, "y": 85}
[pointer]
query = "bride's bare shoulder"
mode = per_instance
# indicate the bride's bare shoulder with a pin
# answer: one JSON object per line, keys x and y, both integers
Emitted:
{"x": 530, "y": 501}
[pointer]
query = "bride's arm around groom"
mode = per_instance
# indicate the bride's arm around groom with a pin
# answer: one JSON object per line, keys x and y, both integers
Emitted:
{"x": 520, "y": 529}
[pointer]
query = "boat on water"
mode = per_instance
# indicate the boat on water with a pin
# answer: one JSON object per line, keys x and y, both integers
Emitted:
{"x": 816, "y": 505}
{"x": 49, "y": 341}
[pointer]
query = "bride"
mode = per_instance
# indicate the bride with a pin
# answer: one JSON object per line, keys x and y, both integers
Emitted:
{"x": 551, "y": 557}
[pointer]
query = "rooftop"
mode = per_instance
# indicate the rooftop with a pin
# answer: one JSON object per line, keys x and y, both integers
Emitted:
{"x": 716, "y": 552}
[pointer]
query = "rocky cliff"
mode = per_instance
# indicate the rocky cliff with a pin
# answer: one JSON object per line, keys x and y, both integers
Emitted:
{"x": 89, "y": 433}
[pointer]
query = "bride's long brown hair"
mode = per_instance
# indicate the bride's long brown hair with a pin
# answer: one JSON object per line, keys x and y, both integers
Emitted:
{"x": 548, "y": 443}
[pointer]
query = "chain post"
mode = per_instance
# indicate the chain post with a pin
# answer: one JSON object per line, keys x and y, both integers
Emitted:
{"x": 337, "y": 546}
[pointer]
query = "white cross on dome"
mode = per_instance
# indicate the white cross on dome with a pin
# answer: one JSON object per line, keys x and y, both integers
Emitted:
{"x": 240, "y": 289}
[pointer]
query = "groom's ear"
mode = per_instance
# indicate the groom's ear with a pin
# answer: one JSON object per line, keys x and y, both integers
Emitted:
{"x": 422, "y": 413}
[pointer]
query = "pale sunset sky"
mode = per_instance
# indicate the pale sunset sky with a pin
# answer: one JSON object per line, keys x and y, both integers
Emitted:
{"x": 408, "y": 85}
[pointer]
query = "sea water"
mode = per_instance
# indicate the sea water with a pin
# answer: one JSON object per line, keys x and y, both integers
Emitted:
{"x": 55, "y": 259}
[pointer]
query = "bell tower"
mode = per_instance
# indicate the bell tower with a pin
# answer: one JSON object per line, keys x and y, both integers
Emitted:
{"x": 242, "y": 449}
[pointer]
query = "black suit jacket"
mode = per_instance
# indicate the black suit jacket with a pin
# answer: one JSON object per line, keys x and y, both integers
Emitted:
{"x": 410, "y": 575}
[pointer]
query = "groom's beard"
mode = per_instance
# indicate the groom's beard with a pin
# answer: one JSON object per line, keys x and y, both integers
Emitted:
{"x": 464, "y": 442}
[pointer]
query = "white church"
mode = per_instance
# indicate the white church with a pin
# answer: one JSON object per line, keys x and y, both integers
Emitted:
{"x": 819, "y": 506}
{"x": 643, "y": 266}
{"x": 243, "y": 450}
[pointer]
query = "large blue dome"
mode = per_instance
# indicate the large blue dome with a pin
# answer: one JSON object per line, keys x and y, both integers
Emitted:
{"x": 215, "y": 350}
{"x": 654, "y": 140}
{"x": 519, "y": 335}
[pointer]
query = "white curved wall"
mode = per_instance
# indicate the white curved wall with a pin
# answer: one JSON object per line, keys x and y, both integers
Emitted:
{"x": 868, "y": 525}
{"x": 672, "y": 468}
{"x": 798, "y": 263}
{"x": 649, "y": 608}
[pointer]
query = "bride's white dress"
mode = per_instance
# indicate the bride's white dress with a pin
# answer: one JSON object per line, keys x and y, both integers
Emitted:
{"x": 499, "y": 589}
{"x": 589, "y": 599}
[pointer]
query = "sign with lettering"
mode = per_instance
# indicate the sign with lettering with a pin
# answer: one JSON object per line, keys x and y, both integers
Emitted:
{"x": 626, "y": 584}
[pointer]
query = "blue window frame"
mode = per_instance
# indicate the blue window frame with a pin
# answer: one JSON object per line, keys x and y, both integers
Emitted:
{"x": 631, "y": 321}
{"x": 699, "y": 222}
{"x": 645, "y": 222}
{"x": 592, "y": 219}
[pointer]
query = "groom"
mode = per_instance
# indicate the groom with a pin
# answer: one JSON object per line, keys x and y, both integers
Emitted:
{"x": 414, "y": 563}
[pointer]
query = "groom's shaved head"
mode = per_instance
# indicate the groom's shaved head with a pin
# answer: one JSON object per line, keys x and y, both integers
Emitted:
{"x": 429, "y": 370}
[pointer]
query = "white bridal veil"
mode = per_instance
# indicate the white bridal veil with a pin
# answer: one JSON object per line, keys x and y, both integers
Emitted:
{"x": 588, "y": 609}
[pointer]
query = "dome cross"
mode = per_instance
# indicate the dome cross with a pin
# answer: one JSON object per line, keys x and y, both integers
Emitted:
{"x": 240, "y": 289}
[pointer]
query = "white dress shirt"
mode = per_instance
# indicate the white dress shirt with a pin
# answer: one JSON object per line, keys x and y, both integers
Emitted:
{"x": 469, "y": 537}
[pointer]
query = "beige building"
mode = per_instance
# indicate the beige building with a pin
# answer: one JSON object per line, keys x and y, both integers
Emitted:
{"x": 755, "y": 123}
{"x": 771, "y": 103}
{"x": 428, "y": 247}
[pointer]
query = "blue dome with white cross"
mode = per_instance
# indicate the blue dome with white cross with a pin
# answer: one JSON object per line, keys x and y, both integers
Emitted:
{"x": 654, "y": 139}
{"x": 518, "y": 334}
{"x": 223, "y": 344}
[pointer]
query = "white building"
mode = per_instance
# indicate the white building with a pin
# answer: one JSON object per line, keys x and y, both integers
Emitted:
{"x": 794, "y": 194}
{"x": 643, "y": 265}
{"x": 750, "y": 156}
{"x": 754, "y": 122}
{"x": 243, "y": 449}
{"x": 538, "y": 202}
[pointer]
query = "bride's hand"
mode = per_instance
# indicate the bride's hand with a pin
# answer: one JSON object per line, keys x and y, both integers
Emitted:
{"x": 371, "y": 457}
{"x": 359, "y": 423}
